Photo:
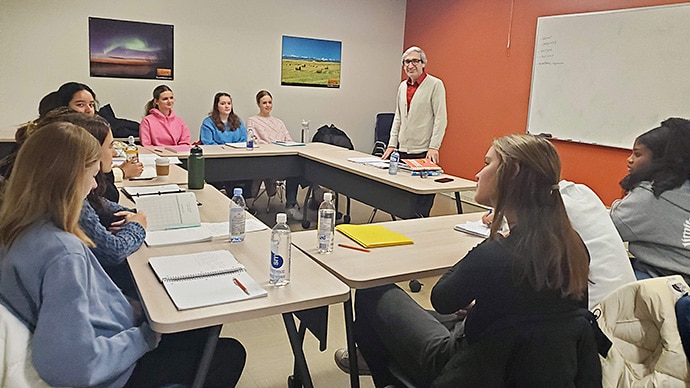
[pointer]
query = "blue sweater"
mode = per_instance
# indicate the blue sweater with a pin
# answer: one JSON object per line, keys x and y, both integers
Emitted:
{"x": 83, "y": 327}
{"x": 210, "y": 134}
{"x": 111, "y": 249}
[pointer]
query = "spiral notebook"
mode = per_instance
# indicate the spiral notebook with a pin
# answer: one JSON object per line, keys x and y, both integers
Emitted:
{"x": 205, "y": 279}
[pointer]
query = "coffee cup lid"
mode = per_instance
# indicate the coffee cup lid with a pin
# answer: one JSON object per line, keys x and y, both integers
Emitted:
{"x": 162, "y": 161}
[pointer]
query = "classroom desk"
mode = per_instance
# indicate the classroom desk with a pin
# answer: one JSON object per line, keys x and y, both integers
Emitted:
{"x": 178, "y": 175}
{"x": 310, "y": 287}
{"x": 437, "y": 247}
{"x": 326, "y": 165}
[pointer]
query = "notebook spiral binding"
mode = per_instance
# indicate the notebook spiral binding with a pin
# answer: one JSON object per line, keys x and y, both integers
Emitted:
{"x": 204, "y": 275}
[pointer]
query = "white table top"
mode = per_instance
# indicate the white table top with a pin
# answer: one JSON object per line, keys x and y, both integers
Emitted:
{"x": 436, "y": 248}
{"x": 310, "y": 286}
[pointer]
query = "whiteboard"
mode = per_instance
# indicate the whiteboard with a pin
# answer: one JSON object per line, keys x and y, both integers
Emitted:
{"x": 606, "y": 77}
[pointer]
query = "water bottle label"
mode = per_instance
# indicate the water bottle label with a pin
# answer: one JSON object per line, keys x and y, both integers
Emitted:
{"x": 276, "y": 260}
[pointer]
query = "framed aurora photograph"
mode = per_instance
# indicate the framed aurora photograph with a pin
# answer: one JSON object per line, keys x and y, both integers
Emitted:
{"x": 310, "y": 62}
{"x": 128, "y": 49}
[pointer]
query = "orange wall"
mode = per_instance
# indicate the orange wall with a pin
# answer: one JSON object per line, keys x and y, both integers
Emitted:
{"x": 488, "y": 85}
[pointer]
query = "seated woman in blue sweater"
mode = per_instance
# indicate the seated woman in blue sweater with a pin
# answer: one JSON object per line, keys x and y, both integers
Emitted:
{"x": 85, "y": 332}
{"x": 511, "y": 289}
{"x": 224, "y": 126}
{"x": 116, "y": 231}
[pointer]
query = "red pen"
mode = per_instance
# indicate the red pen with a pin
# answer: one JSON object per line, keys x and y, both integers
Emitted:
{"x": 353, "y": 247}
{"x": 240, "y": 285}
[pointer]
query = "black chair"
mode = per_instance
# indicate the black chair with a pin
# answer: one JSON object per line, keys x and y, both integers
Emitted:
{"x": 330, "y": 134}
{"x": 382, "y": 134}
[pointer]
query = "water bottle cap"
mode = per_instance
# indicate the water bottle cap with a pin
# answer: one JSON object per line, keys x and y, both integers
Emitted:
{"x": 130, "y": 140}
{"x": 328, "y": 197}
{"x": 281, "y": 218}
{"x": 237, "y": 191}
{"x": 196, "y": 150}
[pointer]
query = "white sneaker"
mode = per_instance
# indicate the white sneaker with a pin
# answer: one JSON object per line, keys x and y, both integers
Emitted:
{"x": 294, "y": 213}
{"x": 342, "y": 360}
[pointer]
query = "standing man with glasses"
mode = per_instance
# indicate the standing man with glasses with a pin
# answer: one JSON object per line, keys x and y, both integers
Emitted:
{"x": 420, "y": 117}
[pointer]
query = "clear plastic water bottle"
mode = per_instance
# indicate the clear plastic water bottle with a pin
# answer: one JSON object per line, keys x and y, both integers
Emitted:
{"x": 237, "y": 216}
{"x": 250, "y": 139}
{"x": 280, "y": 252}
{"x": 326, "y": 228}
{"x": 394, "y": 160}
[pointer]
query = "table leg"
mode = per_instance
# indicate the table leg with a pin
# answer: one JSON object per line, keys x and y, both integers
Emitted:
{"x": 207, "y": 356}
{"x": 458, "y": 202}
{"x": 351, "y": 346}
{"x": 297, "y": 351}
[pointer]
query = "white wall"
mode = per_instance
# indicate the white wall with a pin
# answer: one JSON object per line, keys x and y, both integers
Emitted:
{"x": 231, "y": 45}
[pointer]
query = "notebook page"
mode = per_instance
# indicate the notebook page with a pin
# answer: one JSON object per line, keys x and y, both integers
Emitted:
{"x": 194, "y": 265}
{"x": 169, "y": 211}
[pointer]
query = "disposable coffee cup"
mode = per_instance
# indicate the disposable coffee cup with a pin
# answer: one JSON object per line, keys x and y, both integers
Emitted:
{"x": 162, "y": 166}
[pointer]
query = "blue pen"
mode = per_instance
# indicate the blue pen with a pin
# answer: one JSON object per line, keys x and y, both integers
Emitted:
{"x": 491, "y": 210}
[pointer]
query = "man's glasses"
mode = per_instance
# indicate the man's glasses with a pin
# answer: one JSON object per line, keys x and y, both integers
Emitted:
{"x": 413, "y": 61}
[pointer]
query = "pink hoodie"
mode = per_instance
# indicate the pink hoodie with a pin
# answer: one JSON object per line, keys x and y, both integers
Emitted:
{"x": 158, "y": 129}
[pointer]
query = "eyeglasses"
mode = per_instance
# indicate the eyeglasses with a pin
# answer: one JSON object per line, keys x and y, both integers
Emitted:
{"x": 413, "y": 61}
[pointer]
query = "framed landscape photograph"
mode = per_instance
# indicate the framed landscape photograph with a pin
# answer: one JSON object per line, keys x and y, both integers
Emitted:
{"x": 126, "y": 49}
{"x": 310, "y": 62}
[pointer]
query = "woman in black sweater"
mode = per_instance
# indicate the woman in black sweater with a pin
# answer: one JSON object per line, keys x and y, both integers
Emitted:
{"x": 512, "y": 288}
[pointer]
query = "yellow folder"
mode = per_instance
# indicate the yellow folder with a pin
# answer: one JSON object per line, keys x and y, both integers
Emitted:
{"x": 373, "y": 236}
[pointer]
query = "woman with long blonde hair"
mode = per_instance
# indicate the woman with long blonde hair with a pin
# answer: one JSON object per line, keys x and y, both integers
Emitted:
{"x": 84, "y": 330}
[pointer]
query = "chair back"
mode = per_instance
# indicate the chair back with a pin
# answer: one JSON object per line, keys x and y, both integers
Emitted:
{"x": 640, "y": 319}
{"x": 15, "y": 353}
{"x": 382, "y": 132}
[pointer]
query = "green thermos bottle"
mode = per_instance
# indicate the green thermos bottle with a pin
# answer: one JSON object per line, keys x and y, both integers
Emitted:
{"x": 195, "y": 169}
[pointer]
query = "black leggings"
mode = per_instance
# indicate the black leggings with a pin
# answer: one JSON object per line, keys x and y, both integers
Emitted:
{"x": 176, "y": 358}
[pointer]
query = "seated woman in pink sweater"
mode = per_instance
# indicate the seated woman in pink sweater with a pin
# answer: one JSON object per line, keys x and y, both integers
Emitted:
{"x": 161, "y": 126}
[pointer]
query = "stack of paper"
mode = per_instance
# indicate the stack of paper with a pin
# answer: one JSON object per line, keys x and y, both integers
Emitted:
{"x": 475, "y": 228}
{"x": 288, "y": 143}
{"x": 373, "y": 236}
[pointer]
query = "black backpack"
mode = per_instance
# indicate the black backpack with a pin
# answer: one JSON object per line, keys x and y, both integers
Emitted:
{"x": 330, "y": 134}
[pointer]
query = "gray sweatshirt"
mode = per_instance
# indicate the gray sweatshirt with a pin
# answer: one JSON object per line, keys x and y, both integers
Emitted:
{"x": 657, "y": 229}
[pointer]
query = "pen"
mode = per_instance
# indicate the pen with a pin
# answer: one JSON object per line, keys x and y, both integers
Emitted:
{"x": 240, "y": 285}
{"x": 355, "y": 248}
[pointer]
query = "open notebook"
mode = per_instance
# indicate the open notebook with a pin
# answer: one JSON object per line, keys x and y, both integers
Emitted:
{"x": 475, "y": 228}
{"x": 205, "y": 279}
{"x": 172, "y": 219}
{"x": 373, "y": 236}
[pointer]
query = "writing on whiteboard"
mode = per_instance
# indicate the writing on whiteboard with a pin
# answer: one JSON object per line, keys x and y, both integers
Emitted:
{"x": 547, "y": 52}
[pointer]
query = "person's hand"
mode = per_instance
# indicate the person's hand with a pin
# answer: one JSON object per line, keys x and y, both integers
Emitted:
{"x": 139, "y": 217}
{"x": 433, "y": 155}
{"x": 131, "y": 169}
{"x": 137, "y": 309}
{"x": 388, "y": 152}
{"x": 462, "y": 313}
{"x": 152, "y": 338}
{"x": 488, "y": 218}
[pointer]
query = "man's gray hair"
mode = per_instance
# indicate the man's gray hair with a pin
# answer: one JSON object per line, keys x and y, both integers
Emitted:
{"x": 414, "y": 49}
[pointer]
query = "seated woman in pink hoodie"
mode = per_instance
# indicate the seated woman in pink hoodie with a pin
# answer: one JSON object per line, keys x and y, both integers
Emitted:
{"x": 161, "y": 127}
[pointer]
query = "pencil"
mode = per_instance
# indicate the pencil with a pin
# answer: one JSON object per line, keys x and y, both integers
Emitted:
{"x": 352, "y": 247}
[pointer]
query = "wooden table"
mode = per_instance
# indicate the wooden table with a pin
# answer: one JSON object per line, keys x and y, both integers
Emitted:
{"x": 437, "y": 247}
{"x": 326, "y": 165}
{"x": 311, "y": 286}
